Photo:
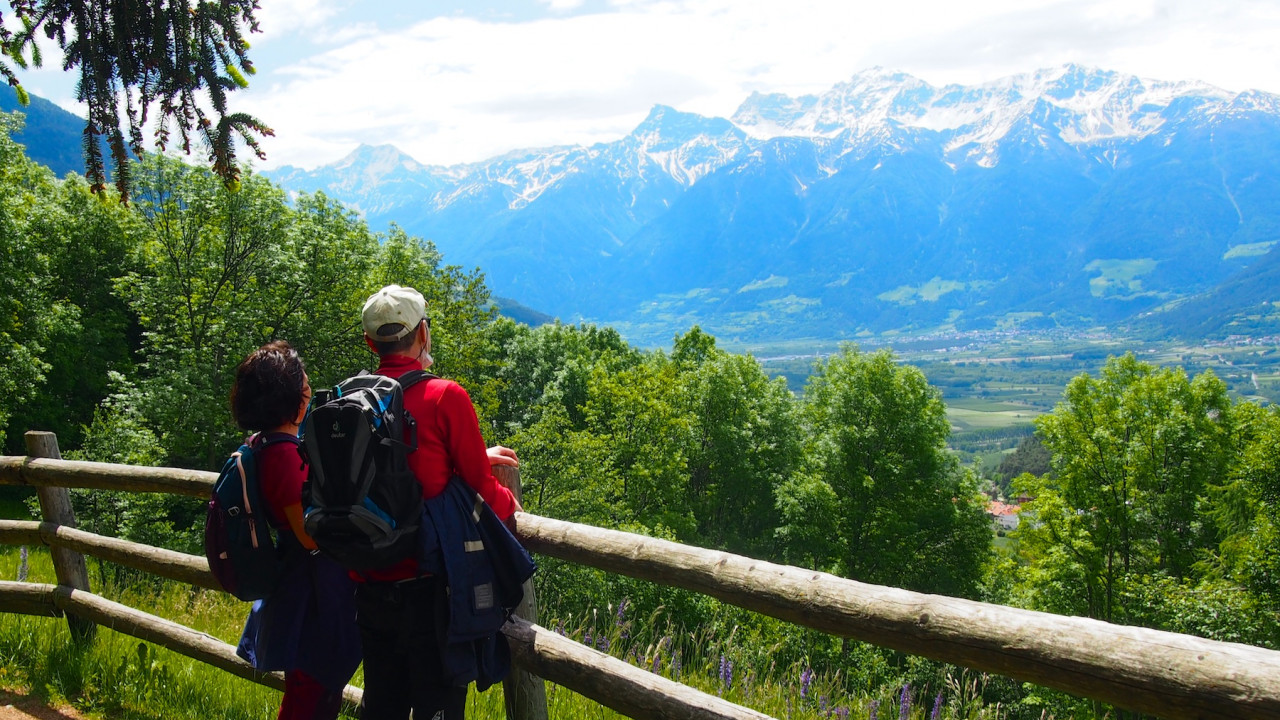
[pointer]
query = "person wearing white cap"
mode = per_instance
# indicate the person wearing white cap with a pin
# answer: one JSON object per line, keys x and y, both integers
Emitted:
{"x": 398, "y": 609}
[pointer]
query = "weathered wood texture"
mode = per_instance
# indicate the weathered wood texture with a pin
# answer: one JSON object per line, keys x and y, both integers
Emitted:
{"x": 1162, "y": 673}
{"x": 178, "y": 566}
{"x": 1165, "y": 674}
{"x": 523, "y": 693}
{"x": 36, "y": 472}
{"x": 611, "y": 682}
{"x": 28, "y": 598}
{"x": 44, "y": 599}
{"x": 55, "y": 507}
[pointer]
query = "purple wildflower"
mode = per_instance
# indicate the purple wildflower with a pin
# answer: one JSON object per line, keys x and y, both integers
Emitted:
{"x": 806, "y": 679}
{"x": 937, "y": 708}
{"x": 904, "y": 702}
{"x": 822, "y": 704}
{"x": 842, "y": 713}
{"x": 586, "y": 639}
{"x": 657, "y": 661}
{"x": 788, "y": 707}
{"x": 602, "y": 643}
{"x": 726, "y": 674}
{"x": 676, "y": 663}
{"x": 560, "y": 628}
{"x": 873, "y": 710}
{"x": 622, "y": 610}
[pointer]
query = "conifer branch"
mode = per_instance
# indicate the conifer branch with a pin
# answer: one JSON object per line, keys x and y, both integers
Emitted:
{"x": 171, "y": 54}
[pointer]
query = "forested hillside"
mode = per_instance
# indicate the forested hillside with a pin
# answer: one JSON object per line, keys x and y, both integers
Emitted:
{"x": 121, "y": 325}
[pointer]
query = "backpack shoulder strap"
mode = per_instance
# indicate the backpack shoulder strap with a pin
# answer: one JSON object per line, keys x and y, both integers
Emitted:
{"x": 261, "y": 441}
{"x": 414, "y": 377}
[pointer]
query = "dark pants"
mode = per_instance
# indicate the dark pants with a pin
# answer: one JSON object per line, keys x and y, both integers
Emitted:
{"x": 400, "y": 628}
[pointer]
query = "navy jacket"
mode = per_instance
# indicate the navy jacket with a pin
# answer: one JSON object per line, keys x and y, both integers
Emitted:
{"x": 485, "y": 568}
{"x": 308, "y": 623}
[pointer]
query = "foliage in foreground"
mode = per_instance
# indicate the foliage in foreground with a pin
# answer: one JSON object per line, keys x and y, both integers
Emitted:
{"x": 121, "y": 677}
{"x": 1160, "y": 508}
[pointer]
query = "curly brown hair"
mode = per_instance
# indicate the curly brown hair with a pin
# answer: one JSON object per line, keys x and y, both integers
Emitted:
{"x": 268, "y": 388}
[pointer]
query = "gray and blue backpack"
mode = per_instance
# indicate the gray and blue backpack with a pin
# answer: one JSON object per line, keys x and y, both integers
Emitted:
{"x": 362, "y": 503}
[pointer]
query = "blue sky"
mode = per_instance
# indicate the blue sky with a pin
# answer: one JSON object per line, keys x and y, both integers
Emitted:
{"x": 451, "y": 82}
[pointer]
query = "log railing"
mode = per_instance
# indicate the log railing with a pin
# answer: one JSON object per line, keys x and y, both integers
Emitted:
{"x": 1151, "y": 671}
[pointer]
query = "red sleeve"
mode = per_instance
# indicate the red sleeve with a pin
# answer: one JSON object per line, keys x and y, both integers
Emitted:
{"x": 461, "y": 429}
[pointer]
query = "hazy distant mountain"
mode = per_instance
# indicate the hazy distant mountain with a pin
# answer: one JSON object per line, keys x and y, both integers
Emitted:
{"x": 51, "y": 135}
{"x": 1067, "y": 196}
{"x": 1247, "y": 303}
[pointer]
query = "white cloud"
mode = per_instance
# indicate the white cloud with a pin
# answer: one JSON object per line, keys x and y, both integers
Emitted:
{"x": 452, "y": 88}
{"x": 562, "y": 5}
{"x": 278, "y": 18}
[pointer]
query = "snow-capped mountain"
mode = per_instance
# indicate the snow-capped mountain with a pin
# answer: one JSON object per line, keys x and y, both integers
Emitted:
{"x": 1068, "y": 195}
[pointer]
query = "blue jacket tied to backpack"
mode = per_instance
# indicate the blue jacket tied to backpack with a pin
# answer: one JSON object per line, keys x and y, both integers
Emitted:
{"x": 485, "y": 567}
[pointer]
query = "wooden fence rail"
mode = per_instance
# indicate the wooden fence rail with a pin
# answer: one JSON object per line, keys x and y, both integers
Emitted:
{"x": 605, "y": 679}
{"x": 1162, "y": 673}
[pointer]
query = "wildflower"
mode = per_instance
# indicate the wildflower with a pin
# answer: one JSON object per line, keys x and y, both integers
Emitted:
{"x": 602, "y": 643}
{"x": 788, "y": 707}
{"x": 842, "y": 713}
{"x": 806, "y": 679}
{"x": 822, "y": 704}
{"x": 560, "y": 628}
{"x": 873, "y": 710}
{"x": 904, "y": 702}
{"x": 726, "y": 672}
{"x": 937, "y": 708}
{"x": 657, "y": 661}
{"x": 586, "y": 639}
{"x": 622, "y": 610}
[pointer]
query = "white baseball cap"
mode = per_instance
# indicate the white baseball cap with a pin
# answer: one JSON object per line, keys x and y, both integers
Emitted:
{"x": 393, "y": 305}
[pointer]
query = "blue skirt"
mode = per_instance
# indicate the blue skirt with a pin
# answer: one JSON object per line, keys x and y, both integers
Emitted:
{"x": 307, "y": 624}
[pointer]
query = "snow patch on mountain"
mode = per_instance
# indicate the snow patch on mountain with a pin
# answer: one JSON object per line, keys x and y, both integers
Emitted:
{"x": 1079, "y": 105}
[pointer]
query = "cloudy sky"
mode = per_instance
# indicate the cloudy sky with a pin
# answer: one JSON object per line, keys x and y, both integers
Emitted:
{"x": 463, "y": 80}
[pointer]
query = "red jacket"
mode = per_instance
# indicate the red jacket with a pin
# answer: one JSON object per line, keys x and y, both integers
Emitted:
{"x": 449, "y": 443}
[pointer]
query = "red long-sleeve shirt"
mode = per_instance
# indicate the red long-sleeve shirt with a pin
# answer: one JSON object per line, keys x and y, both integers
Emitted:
{"x": 449, "y": 443}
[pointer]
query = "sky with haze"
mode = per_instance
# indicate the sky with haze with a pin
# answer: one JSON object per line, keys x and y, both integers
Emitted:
{"x": 458, "y": 81}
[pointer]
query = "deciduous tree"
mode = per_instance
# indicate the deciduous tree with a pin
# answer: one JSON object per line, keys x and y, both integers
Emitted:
{"x": 905, "y": 513}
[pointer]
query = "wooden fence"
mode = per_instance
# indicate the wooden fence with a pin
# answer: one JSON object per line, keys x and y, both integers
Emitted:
{"x": 1151, "y": 671}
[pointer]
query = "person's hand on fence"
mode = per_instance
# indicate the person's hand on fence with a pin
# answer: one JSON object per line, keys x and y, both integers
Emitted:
{"x": 499, "y": 455}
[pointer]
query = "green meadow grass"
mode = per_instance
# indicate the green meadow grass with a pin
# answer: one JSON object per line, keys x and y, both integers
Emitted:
{"x": 120, "y": 677}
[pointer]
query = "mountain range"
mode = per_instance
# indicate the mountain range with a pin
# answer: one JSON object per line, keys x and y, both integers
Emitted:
{"x": 1065, "y": 198}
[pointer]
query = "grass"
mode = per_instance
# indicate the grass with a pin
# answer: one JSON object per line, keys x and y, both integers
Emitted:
{"x": 964, "y": 419}
{"x": 1119, "y": 278}
{"x": 117, "y": 676}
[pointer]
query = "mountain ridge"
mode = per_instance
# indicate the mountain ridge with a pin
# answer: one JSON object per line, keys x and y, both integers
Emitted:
{"x": 1067, "y": 196}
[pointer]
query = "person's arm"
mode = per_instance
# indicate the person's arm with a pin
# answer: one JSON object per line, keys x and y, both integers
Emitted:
{"x": 293, "y": 513}
{"x": 466, "y": 448}
{"x": 282, "y": 475}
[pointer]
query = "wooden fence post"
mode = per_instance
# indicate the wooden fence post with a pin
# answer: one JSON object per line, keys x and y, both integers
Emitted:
{"x": 524, "y": 693}
{"x": 55, "y": 506}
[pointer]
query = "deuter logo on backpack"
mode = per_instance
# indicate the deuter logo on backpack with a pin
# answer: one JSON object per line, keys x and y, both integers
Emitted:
{"x": 362, "y": 502}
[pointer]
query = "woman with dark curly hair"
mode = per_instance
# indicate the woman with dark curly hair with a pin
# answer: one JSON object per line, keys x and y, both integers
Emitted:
{"x": 307, "y": 626}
